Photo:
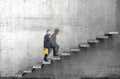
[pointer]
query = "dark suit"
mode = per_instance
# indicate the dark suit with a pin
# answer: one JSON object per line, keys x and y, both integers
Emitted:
{"x": 48, "y": 44}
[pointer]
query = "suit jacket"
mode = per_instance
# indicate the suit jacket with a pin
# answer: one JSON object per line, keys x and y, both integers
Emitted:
{"x": 47, "y": 42}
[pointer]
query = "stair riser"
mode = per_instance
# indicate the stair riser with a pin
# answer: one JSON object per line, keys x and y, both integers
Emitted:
{"x": 56, "y": 59}
{"x": 94, "y": 42}
{"x": 75, "y": 50}
{"x": 66, "y": 55}
{"x": 37, "y": 67}
{"x": 46, "y": 63}
{"x": 27, "y": 72}
{"x": 19, "y": 76}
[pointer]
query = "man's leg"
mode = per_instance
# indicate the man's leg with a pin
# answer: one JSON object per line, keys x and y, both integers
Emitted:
{"x": 45, "y": 57}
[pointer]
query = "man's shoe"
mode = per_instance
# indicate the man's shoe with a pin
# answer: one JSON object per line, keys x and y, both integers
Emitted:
{"x": 55, "y": 55}
{"x": 46, "y": 60}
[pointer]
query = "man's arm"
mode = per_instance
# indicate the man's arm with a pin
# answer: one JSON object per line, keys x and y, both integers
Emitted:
{"x": 45, "y": 41}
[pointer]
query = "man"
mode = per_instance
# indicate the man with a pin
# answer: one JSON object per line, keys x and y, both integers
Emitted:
{"x": 48, "y": 45}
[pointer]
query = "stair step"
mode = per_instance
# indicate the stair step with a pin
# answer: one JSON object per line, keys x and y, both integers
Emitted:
{"x": 75, "y": 50}
{"x": 49, "y": 62}
{"x": 19, "y": 74}
{"x": 102, "y": 37}
{"x": 111, "y": 33}
{"x": 6, "y": 75}
{"x": 56, "y": 58}
{"x": 37, "y": 66}
{"x": 84, "y": 45}
{"x": 28, "y": 70}
{"x": 65, "y": 54}
{"x": 93, "y": 41}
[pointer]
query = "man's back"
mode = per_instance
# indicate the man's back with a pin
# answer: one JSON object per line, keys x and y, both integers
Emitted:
{"x": 47, "y": 42}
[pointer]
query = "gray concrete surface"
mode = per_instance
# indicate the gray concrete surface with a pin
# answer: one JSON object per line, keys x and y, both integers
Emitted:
{"x": 23, "y": 24}
{"x": 99, "y": 61}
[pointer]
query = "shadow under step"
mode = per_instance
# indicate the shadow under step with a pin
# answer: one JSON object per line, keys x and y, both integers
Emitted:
{"x": 84, "y": 45}
{"x": 92, "y": 41}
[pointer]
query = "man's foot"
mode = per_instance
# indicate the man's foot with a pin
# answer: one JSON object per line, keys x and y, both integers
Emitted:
{"x": 55, "y": 55}
{"x": 46, "y": 60}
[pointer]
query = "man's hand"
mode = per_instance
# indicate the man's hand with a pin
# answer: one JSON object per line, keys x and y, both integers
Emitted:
{"x": 45, "y": 48}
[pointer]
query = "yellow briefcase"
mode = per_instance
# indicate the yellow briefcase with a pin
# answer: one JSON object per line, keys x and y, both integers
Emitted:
{"x": 44, "y": 51}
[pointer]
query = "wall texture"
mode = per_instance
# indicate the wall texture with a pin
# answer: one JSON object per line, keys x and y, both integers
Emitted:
{"x": 117, "y": 15}
{"x": 23, "y": 23}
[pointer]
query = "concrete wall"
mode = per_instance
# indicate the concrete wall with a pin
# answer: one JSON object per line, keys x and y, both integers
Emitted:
{"x": 23, "y": 23}
{"x": 117, "y": 15}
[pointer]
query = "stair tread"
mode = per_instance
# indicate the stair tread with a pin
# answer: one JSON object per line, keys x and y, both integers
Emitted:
{"x": 39, "y": 65}
{"x": 84, "y": 45}
{"x": 6, "y": 75}
{"x": 93, "y": 41}
{"x": 56, "y": 58}
{"x": 49, "y": 62}
{"x": 65, "y": 54}
{"x": 112, "y": 33}
{"x": 102, "y": 37}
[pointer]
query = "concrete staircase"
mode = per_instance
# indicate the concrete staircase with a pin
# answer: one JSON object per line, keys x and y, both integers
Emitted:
{"x": 55, "y": 64}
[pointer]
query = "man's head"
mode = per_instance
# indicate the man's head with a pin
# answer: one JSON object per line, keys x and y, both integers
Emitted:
{"x": 56, "y": 31}
{"x": 49, "y": 32}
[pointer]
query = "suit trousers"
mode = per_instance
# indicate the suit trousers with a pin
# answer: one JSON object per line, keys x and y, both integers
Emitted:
{"x": 54, "y": 51}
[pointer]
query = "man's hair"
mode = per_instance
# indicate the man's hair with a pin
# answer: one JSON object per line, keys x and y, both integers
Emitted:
{"x": 48, "y": 30}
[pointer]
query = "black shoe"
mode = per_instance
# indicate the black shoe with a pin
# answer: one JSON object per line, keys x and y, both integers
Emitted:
{"x": 46, "y": 60}
{"x": 55, "y": 55}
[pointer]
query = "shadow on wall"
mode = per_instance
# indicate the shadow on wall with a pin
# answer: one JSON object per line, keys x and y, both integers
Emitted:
{"x": 118, "y": 15}
{"x": 53, "y": 39}
{"x": 118, "y": 21}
